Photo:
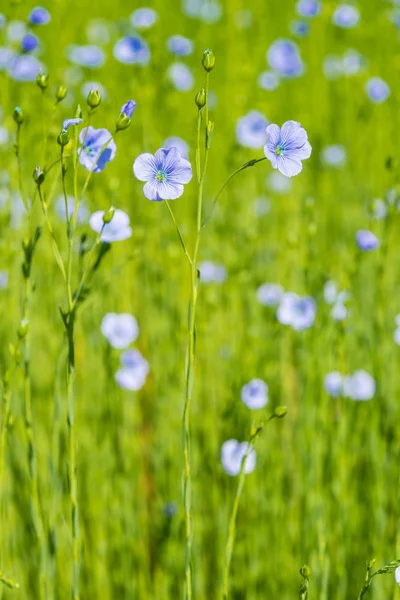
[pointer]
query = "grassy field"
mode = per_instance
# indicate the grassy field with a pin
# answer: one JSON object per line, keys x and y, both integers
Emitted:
{"x": 326, "y": 487}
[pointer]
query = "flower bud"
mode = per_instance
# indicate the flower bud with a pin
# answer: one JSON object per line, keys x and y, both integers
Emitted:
{"x": 209, "y": 133}
{"x": 200, "y": 99}
{"x": 42, "y": 80}
{"x": 280, "y": 412}
{"x": 78, "y": 112}
{"x": 61, "y": 92}
{"x": 94, "y": 98}
{"x": 23, "y": 329}
{"x": 109, "y": 215}
{"x": 208, "y": 61}
{"x": 305, "y": 572}
{"x": 63, "y": 138}
{"x": 38, "y": 176}
{"x": 122, "y": 122}
{"x": 18, "y": 115}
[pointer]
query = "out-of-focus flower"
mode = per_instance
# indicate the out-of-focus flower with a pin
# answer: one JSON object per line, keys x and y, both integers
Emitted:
{"x": 377, "y": 90}
{"x": 179, "y": 143}
{"x": 346, "y": 16}
{"x": 98, "y": 149}
{"x": 332, "y": 66}
{"x": 89, "y": 56}
{"x": 232, "y": 455}
{"x": 268, "y": 80}
{"x": 366, "y": 240}
{"x": 132, "y": 376}
{"x": 379, "y": 208}
{"x": 132, "y": 50}
{"x": 180, "y": 45}
{"x": 83, "y": 212}
{"x": 334, "y": 156}
{"x": 296, "y": 311}
{"x": 15, "y": 31}
{"x": 143, "y": 18}
{"x": 286, "y": 147}
{"x": 283, "y": 57}
{"x": 3, "y": 279}
{"x": 165, "y": 174}
{"x": 24, "y": 67}
{"x": 270, "y": 294}
{"x": 181, "y": 77}
{"x": 360, "y": 386}
{"x": 299, "y": 28}
{"x": 98, "y": 32}
{"x": 29, "y": 42}
{"x": 211, "y": 272}
{"x": 121, "y": 330}
{"x": 308, "y": 8}
{"x": 117, "y": 230}
{"x": 250, "y": 130}
{"x": 353, "y": 62}
{"x": 39, "y": 16}
{"x": 278, "y": 183}
{"x": 333, "y": 384}
{"x": 397, "y": 575}
{"x": 255, "y": 394}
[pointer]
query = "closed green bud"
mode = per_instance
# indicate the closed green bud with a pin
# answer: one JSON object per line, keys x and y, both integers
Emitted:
{"x": 305, "y": 572}
{"x": 78, "y": 112}
{"x": 200, "y": 99}
{"x": 209, "y": 133}
{"x": 94, "y": 98}
{"x": 38, "y": 176}
{"x": 42, "y": 80}
{"x": 208, "y": 61}
{"x": 109, "y": 215}
{"x": 23, "y": 329}
{"x": 123, "y": 122}
{"x": 61, "y": 92}
{"x": 63, "y": 138}
{"x": 18, "y": 115}
{"x": 280, "y": 412}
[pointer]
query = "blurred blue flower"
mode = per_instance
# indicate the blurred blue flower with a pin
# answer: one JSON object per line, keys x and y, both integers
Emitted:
{"x": 117, "y": 230}
{"x": 132, "y": 50}
{"x": 5, "y": 56}
{"x": 232, "y": 455}
{"x": 211, "y": 272}
{"x": 180, "y": 45}
{"x": 379, "y": 209}
{"x": 179, "y": 143}
{"x": 396, "y": 335}
{"x": 210, "y": 11}
{"x": 255, "y": 394}
{"x": 15, "y": 31}
{"x": 353, "y": 62}
{"x": 29, "y": 42}
{"x": 89, "y": 56}
{"x": 340, "y": 311}
{"x": 165, "y": 174}
{"x": 377, "y": 90}
{"x": 120, "y": 330}
{"x": 283, "y": 57}
{"x": 366, "y": 240}
{"x": 346, "y": 16}
{"x": 90, "y": 85}
{"x": 262, "y": 206}
{"x": 129, "y": 108}
{"x": 296, "y": 311}
{"x": 333, "y": 384}
{"x": 170, "y": 509}
{"x": 134, "y": 371}
{"x": 181, "y": 77}
{"x": 360, "y": 386}
{"x": 250, "y": 129}
{"x": 334, "y": 155}
{"x": 68, "y": 122}
{"x": 3, "y": 279}
{"x": 308, "y": 8}
{"x": 39, "y": 16}
{"x": 93, "y": 155}
{"x": 268, "y": 80}
{"x": 24, "y": 67}
{"x": 83, "y": 212}
{"x": 143, "y": 18}
{"x": 397, "y": 575}
{"x": 299, "y": 28}
{"x": 278, "y": 183}
{"x": 286, "y": 147}
{"x": 332, "y": 66}
{"x": 270, "y": 294}
{"x": 2, "y": 21}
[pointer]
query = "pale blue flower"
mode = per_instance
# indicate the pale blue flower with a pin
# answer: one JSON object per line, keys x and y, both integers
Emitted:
{"x": 278, "y": 183}
{"x": 366, "y": 240}
{"x": 132, "y": 376}
{"x": 132, "y": 50}
{"x": 339, "y": 311}
{"x": 180, "y": 45}
{"x": 29, "y": 42}
{"x": 353, "y": 62}
{"x": 396, "y": 336}
{"x": 3, "y": 279}
{"x": 143, "y": 18}
{"x": 68, "y": 122}
{"x": 250, "y": 130}
{"x": 179, "y": 143}
{"x": 89, "y": 56}
{"x": 360, "y": 386}
{"x": 283, "y": 57}
{"x": 2, "y": 21}
{"x": 334, "y": 155}
{"x": 346, "y": 16}
{"x": 330, "y": 292}
{"x": 5, "y": 56}
{"x": 24, "y": 67}
{"x": 232, "y": 455}
{"x": 128, "y": 108}
{"x": 181, "y": 77}
{"x": 262, "y": 206}
{"x": 39, "y": 16}
{"x": 165, "y": 174}
{"x": 210, "y": 11}
{"x": 270, "y": 294}
{"x": 120, "y": 330}
{"x": 98, "y": 149}
{"x": 117, "y": 230}
{"x": 299, "y": 28}
{"x": 98, "y": 32}
{"x": 255, "y": 394}
{"x": 333, "y": 384}
{"x": 296, "y": 311}
{"x": 333, "y": 66}
{"x": 397, "y": 575}
{"x": 377, "y": 90}
{"x": 15, "y": 31}
{"x": 268, "y": 80}
{"x": 379, "y": 209}
{"x": 211, "y": 272}
{"x": 82, "y": 214}
{"x": 286, "y": 147}
{"x": 308, "y": 8}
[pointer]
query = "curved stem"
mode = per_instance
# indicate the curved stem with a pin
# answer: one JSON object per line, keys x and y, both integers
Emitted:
{"x": 179, "y": 232}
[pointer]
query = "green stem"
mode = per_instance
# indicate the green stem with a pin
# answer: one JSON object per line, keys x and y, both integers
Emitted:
{"x": 179, "y": 232}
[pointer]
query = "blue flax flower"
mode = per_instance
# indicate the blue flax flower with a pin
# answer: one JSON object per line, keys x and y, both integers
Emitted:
{"x": 366, "y": 240}
{"x": 29, "y": 42}
{"x": 232, "y": 455}
{"x": 143, "y": 18}
{"x": 39, "y": 16}
{"x": 346, "y": 16}
{"x": 180, "y": 45}
{"x": 94, "y": 154}
{"x": 250, "y": 129}
{"x": 287, "y": 147}
{"x": 89, "y": 56}
{"x": 255, "y": 394}
{"x": 296, "y": 311}
{"x": 165, "y": 173}
{"x": 132, "y": 50}
{"x": 284, "y": 58}
{"x": 129, "y": 108}
{"x": 68, "y": 122}
{"x": 308, "y": 8}
{"x": 117, "y": 230}
{"x": 377, "y": 90}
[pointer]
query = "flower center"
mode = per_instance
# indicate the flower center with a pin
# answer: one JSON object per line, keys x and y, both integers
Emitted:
{"x": 279, "y": 150}
{"x": 161, "y": 176}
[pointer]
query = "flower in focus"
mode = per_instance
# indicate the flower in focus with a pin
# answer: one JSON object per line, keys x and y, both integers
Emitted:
{"x": 308, "y": 8}
{"x": 132, "y": 50}
{"x": 333, "y": 384}
{"x": 286, "y": 147}
{"x": 98, "y": 148}
{"x": 39, "y": 16}
{"x": 250, "y": 129}
{"x": 346, "y": 16}
{"x": 116, "y": 231}
{"x": 270, "y": 294}
{"x": 135, "y": 368}
{"x": 180, "y": 45}
{"x": 179, "y": 143}
{"x": 284, "y": 58}
{"x": 360, "y": 386}
{"x": 143, "y": 18}
{"x": 255, "y": 394}
{"x": 165, "y": 174}
{"x": 366, "y": 240}
{"x": 232, "y": 454}
{"x": 119, "y": 329}
{"x": 181, "y": 77}
{"x": 377, "y": 90}
{"x": 211, "y": 272}
{"x": 89, "y": 56}
{"x": 296, "y": 311}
